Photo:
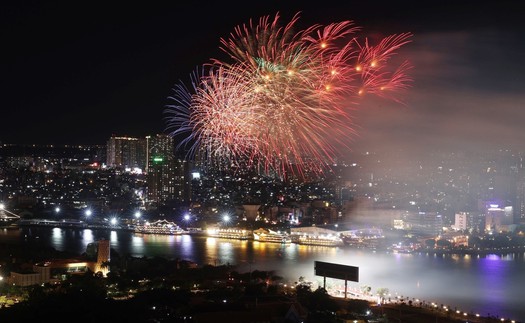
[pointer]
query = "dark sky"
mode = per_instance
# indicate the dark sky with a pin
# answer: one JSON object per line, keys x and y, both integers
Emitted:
{"x": 76, "y": 72}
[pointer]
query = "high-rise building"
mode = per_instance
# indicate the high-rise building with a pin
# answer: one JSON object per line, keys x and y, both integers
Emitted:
{"x": 103, "y": 256}
{"x": 425, "y": 223}
{"x": 168, "y": 177}
{"x": 126, "y": 152}
{"x": 497, "y": 217}
{"x": 520, "y": 193}
{"x": 460, "y": 222}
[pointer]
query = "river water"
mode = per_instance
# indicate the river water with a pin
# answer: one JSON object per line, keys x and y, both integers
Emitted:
{"x": 491, "y": 284}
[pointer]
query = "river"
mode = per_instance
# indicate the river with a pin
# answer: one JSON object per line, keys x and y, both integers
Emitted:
{"x": 489, "y": 284}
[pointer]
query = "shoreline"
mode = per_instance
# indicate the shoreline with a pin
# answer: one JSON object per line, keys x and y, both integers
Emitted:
{"x": 417, "y": 314}
{"x": 84, "y": 225}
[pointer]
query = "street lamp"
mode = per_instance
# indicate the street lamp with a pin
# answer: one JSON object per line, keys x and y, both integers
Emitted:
{"x": 137, "y": 216}
{"x": 187, "y": 219}
{"x": 88, "y": 213}
{"x": 57, "y": 210}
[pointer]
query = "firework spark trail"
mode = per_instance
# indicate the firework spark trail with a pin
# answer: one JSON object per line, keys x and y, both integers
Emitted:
{"x": 282, "y": 103}
{"x": 178, "y": 115}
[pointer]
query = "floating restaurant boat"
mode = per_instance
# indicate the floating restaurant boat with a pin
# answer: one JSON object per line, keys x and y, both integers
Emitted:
{"x": 316, "y": 236}
{"x": 160, "y": 227}
{"x": 326, "y": 241}
{"x": 229, "y": 233}
{"x": 369, "y": 238}
{"x": 268, "y": 235}
{"x": 360, "y": 242}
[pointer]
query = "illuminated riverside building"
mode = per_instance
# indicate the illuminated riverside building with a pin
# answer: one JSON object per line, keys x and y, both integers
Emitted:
{"x": 59, "y": 269}
{"x": 460, "y": 222}
{"x": 425, "y": 223}
{"x": 471, "y": 221}
{"x": 497, "y": 218}
{"x": 456, "y": 239}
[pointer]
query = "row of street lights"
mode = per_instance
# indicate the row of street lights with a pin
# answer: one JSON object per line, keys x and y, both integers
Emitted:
{"x": 137, "y": 215}
{"x": 88, "y": 213}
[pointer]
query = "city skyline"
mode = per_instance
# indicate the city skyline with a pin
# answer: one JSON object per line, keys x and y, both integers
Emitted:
{"x": 77, "y": 75}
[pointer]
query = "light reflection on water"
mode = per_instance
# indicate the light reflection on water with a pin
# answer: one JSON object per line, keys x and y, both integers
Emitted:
{"x": 58, "y": 236}
{"x": 481, "y": 284}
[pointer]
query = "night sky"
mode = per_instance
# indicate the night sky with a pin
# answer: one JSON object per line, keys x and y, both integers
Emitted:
{"x": 77, "y": 72}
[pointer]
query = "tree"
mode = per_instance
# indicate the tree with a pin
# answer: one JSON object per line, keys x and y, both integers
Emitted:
{"x": 365, "y": 289}
{"x": 382, "y": 293}
{"x": 105, "y": 265}
{"x": 443, "y": 243}
{"x": 430, "y": 243}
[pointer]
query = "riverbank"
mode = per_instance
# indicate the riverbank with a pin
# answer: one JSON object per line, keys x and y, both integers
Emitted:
{"x": 472, "y": 252}
{"x": 70, "y": 224}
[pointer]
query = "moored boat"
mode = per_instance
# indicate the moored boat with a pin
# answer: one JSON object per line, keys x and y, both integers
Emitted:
{"x": 327, "y": 241}
{"x": 316, "y": 236}
{"x": 268, "y": 235}
{"x": 160, "y": 227}
{"x": 229, "y": 233}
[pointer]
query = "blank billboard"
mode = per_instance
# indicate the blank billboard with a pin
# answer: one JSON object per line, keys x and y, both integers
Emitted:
{"x": 327, "y": 269}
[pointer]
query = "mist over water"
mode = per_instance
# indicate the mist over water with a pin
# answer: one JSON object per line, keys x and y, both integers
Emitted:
{"x": 490, "y": 284}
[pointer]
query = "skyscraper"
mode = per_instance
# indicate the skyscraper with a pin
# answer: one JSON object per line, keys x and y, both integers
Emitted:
{"x": 520, "y": 193}
{"x": 167, "y": 176}
{"x": 103, "y": 256}
{"x": 126, "y": 152}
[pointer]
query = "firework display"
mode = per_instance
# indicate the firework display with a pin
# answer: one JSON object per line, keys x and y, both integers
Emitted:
{"x": 285, "y": 99}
